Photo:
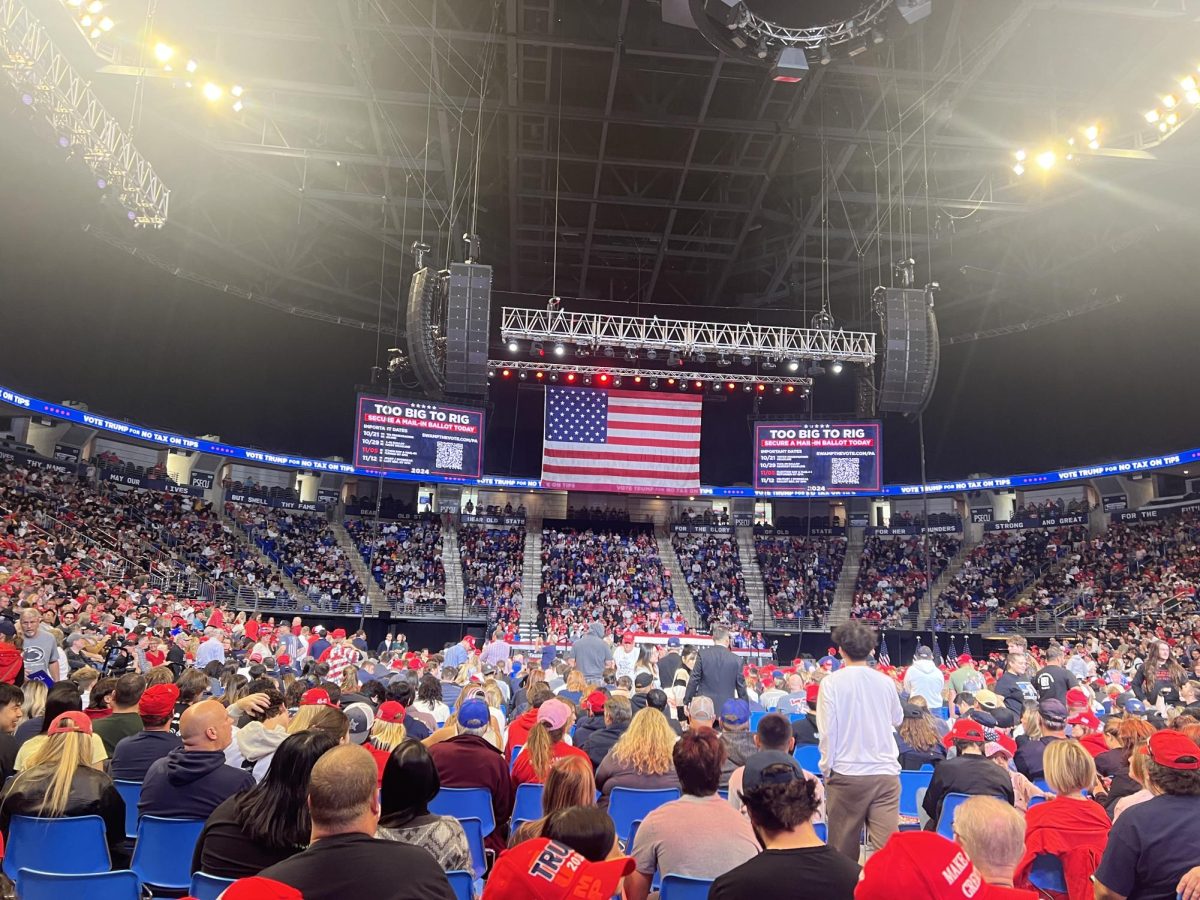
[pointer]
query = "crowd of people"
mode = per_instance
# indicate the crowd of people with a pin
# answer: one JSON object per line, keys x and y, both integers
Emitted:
{"x": 1051, "y": 508}
{"x": 892, "y": 576}
{"x": 713, "y": 571}
{"x": 493, "y": 566}
{"x": 597, "y": 514}
{"x": 405, "y": 558}
{"x": 800, "y": 575}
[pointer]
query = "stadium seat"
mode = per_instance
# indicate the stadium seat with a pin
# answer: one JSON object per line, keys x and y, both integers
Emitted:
{"x": 516, "y": 752}
{"x": 680, "y": 887}
{"x": 822, "y": 830}
{"x": 755, "y": 718}
{"x": 1034, "y": 801}
{"x": 723, "y": 793}
{"x": 121, "y": 885}
{"x": 627, "y": 805}
{"x": 474, "y": 829}
{"x": 38, "y": 844}
{"x": 1046, "y": 874}
{"x": 467, "y": 803}
{"x": 208, "y": 887}
{"x": 809, "y": 757}
{"x": 162, "y": 855}
{"x": 462, "y": 883}
{"x": 951, "y": 802}
{"x": 1042, "y": 785}
{"x": 941, "y": 712}
{"x": 527, "y": 804}
{"x": 131, "y": 792}
{"x": 911, "y": 784}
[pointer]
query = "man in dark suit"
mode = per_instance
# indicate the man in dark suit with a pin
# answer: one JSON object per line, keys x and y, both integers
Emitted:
{"x": 718, "y": 673}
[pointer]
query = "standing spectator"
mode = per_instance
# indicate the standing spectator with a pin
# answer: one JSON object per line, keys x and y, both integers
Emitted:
{"x": 1154, "y": 848}
{"x": 1159, "y": 676}
{"x": 496, "y": 650}
{"x": 641, "y": 758}
{"x": 618, "y": 712}
{"x": 125, "y": 720}
{"x": 410, "y": 781}
{"x": 545, "y": 744}
{"x": 1052, "y": 719}
{"x": 698, "y": 835}
{"x": 626, "y": 656}
{"x": 1014, "y": 686}
{"x": 924, "y": 679}
{"x": 212, "y": 650}
{"x": 1052, "y": 680}
{"x": 795, "y": 864}
{"x": 344, "y": 858}
{"x": 38, "y": 647}
{"x": 669, "y": 662}
{"x": 457, "y": 655}
{"x": 966, "y": 678}
{"x": 268, "y": 823}
{"x": 193, "y": 780}
{"x": 592, "y": 653}
{"x": 857, "y": 713}
{"x": 718, "y": 673}
{"x": 134, "y": 755}
{"x": 993, "y": 835}
{"x": 969, "y": 772}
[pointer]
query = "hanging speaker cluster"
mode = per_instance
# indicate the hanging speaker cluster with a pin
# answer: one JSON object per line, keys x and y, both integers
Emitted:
{"x": 911, "y": 351}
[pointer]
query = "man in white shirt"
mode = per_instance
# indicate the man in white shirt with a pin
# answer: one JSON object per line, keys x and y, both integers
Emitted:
{"x": 626, "y": 656}
{"x": 858, "y": 710}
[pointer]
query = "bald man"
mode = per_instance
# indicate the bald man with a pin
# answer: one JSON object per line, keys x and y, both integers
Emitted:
{"x": 345, "y": 859}
{"x": 193, "y": 780}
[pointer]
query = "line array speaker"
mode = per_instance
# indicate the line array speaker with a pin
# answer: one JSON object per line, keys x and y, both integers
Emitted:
{"x": 421, "y": 329}
{"x": 911, "y": 350}
{"x": 468, "y": 316}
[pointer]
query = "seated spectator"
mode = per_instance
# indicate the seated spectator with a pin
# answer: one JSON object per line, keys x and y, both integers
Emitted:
{"x": 410, "y": 781}
{"x": 344, "y": 858}
{"x": 570, "y": 783}
{"x": 698, "y": 835}
{"x": 468, "y": 760}
{"x": 549, "y": 870}
{"x": 918, "y": 740}
{"x": 993, "y": 835}
{"x": 63, "y": 779}
{"x": 1127, "y": 732}
{"x": 795, "y": 864}
{"x": 1070, "y": 827}
{"x": 262, "y": 735}
{"x": 967, "y": 773}
{"x": 592, "y": 719}
{"x": 429, "y": 698}
{"x": 585, "y": 829}
{"x": 926, "y": 865}
{"x": 268, "y": 823}
{"x": 125, "y": 720}
{"x": 736, "y": 736}
{"x": 1001, "y": 751}
{"x": 641, "y": 758}
{"x": 774, "y": 742}
{"x": 193, "y": 780}
{"x": 61, "y": 698}
{"x": 657, "y": 699}
{"x": 1138, "y": 774}
{"x": 1155, "y": 844}
{"x": 519, "y": 728}
{"x": 545, "y": 744}
{"x": 135, "y": 754}
{"x": 11, "y": 698}
{"x": 1052, "y": 722}
{"x": 618, "y": 712}
{"x": 33, "y": 708}
{"x": 387, "y": 733}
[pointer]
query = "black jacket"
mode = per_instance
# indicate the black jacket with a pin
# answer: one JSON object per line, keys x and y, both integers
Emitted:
{"x": 190, "y": 784}
{"x": 805, "y": 730}
{"x": 92, "y": 794}
{"x": 600, "y": 742}
{"x": 667, "y": 667}
{"x": 718, "y": 676}
{"x": 964, "y": 775}
{"x": 585, "y": 727}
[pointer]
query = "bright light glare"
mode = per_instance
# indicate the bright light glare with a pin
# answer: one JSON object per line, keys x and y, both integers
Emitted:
{"x": 238, "y": 106}
{"x": 95, "y": 6}
{"x": 1172, "y": 119}
{"x": 86, "y": 21}
{"x": 1091, "y": 132}
{"x": 1093, "y": 145}
{"x": 163, "y": 52}
{"x": 1046, "y": 159}
{"x": 1193, "y": 97}
{"x": 212, "y": 91}
{"x": 74, "y": 2}
{"x": 1188, "y": 83}
{"x": 1020, "y": 155}
{"x": 236, "y": 90}
{"x": 1169, "y": 101}
{"x": 191, "y": 65}
{"x": 1152, "y": 116}
{"x": 1019, "y": 169}
{"x": 836, "y": 368}
{"x": 106, "y": 24}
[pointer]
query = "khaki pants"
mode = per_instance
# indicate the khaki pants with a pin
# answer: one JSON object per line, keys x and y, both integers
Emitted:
{"x": 853, "y": 802}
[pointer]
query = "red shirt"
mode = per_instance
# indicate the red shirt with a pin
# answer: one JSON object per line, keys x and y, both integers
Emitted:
{"x": 155, "y": 657}
{"x": 523, "y": 773}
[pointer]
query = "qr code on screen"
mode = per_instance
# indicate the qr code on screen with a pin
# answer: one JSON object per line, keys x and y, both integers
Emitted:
{"x": 449, "y": 456}
{"x": 845, "y": 470}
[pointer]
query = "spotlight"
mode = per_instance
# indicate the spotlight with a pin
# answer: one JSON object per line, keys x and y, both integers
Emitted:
{"x": 717, "y": 386}
{"x": 762, "y": 51}
{"x": 826, "y": 56}
{"x": 237, "y": 90}
{"x": 95, "y": 6}
{"x": 793, "y": 365}
{"x": 1193, "y": 97}
{"x": 746, "y": 360}
{"x": 1046, "y": 159}
{"x": 654, "y": 384}
{"x": 163, "y": 52}
{"x": 212, "y": 92}
{"x": 791, "y": 389}
{"x": 1172, "y": 119}
{"x": 760, "y": 388}
{"x": 651, "y": 353}
{"x": 559, "y": 349}
{"x": 616, "y": 382}
{"x": 570, "y": 376}
{"x": 1169, "y": 101}
{"x": 587, "y": 379}
{"x": 778, "y": 389}
{"x": 603, "y": 379}
{"x": 1019, "y": 169}
{"x": 670, "y": 381}
{"x": 491, "y": 373}
{"x": 106, "y": 24}
{"x": 513, "y": 346}
{"x": 701, "y": 357}
{"x": 1093, "y": 145}
{"x": 101, "y": 183}
{"x": 1092, "y": 132}
{"x": 86, "y": 21}
{"x": 699, "y": 385}
{"x": 609, "y": 352}
{"x": 836, "y": 368}
{"x": 1152, "y": 116}
{"x": 580, "y": 350}
{"x": 523, "y": 376}
{"x": 637, "y": 379}
{"x": 539, "y": 375}
{"x": 683, "y": 385}
{"x": 747, "y": 388}
{"x": 731, "y": 386}
{"x": 1188, "y": 83}
{"x": 722, "y": 360}
{"x": 1020, "y": 156}
{"x": 506, "y": 373}
{"x": 876, "y": 36}
{"x": 554, "y": 376}
{"x": 191, "y": 66}
{"x": 538, "y": 348}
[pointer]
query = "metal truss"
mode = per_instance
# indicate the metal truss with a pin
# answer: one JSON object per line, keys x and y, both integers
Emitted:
{"x": 815, "y": 38}
{"x": 48, "y": 84}
{"x": 635, "y": 333}
{"x": 669, "y": 375}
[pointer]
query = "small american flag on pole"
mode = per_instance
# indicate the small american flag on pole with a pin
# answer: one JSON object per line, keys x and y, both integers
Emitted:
{"x": 630, "y": 441}
{"x": 885, "y": 658}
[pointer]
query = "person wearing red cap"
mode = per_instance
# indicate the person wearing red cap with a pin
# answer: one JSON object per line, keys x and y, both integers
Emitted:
{"x": 966, "y": 678}
{"x": 969, "y": 772}
{"x": 626, "y": 656}
{"x": 1154, "y": 848}
{"x": 543, "y": 869}
{"x": 925, "y": 865}
{"x": 387, "y": 733}
{"x": 134, "y": 755}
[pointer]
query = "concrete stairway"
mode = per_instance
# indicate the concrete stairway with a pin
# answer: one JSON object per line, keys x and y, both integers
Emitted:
{"x": 531, "y": 579}
{"x": 679, "y": 585}
{"x": 925, "y": 609}
{"x": 843, "y": 594}
{"x": 361, "y": 570}
{"x": 452, "y": 566}
{"x": 756, "y": 593}
{"x": 246, "y": 541}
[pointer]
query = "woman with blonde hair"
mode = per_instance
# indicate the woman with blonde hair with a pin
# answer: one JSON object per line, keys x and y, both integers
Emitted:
{"x": 387, "y": 733}
{"x": 575, "y": 688}
{"x": 569, "y": 783}
{"x": 63, "y": 779}
{"x": 641, "y": 757}
{"x": 33, "y": 707}
{"x": 545, "y": 744}
{"x": 329, "y": 719}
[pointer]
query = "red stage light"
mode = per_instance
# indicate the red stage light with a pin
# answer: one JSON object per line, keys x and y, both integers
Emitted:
{"x": 637, "y": 379}
{"x": 603, "y": 379}
{"x": 540, "y": 375}
{"x": 506, "y": 373}
{"x": 699, "y": 385}
{"x": 670, "y": 381}
{"x": 731, "y": 386}
{"x": 760, "y": 388}
{"x": 571, "y": 376}
{"x": 791, "y": 389}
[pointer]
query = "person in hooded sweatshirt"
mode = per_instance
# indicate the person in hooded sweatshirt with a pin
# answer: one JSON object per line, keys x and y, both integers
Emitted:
{"x": 253, "y": 744}
{"x": 135, "y": 754}
{"x": 193, "y": 780}
{"x": 924, "y": 679}
{"x": 592, "y": 653}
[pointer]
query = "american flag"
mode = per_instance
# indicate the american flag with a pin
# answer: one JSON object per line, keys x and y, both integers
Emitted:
{"x": 621, "y": 441}
{"x": 952, "y": 653}
{"x": 885, "y": 658}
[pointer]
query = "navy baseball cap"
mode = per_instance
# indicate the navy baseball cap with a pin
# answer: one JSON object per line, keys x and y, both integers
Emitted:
{"x": 673, "y": 642}
{"x": 735, "y": 712}
{"x": 1135, "y": 707}
{"x": 474, "y": 714}
{"x": 752, "y": 775}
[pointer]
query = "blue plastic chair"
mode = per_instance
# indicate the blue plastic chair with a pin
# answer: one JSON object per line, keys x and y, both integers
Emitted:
{"x": 162, "y": 855}
{"x": 941, "y": 712}
{"x": 951, "y": 802}
{"x": 208, "y": 887}
{"x": 809, "y": 757}
{"x": 122, "y": 885}
{"x": 627, "y": 805}
{"x": 723, "y": 793}
{"x": 462, "y": 883}
{"x": 467, "y": 803}
{"x": 1042, "y": 785}
{"x": 755, "y": 718}
{"x": 516, "y": 752}
{"x": 474, "y": 830}
{"x": 680, "y": 887}
{"x": 131, "y": 793}
{"x": 1034, "y": 801}
{"x": 527, "y": 804}
{"x": 820, "y": 828}
{"x": 38, "y": 844}
{"x": 1046, "y": 873}
{"x": 928, "y": 767}
{"x": 911, "y": 784}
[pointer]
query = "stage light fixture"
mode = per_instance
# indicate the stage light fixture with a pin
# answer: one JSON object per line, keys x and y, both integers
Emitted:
{"x": 95, "y": 7}
{"x": 791, "y": 389}
{"x": 538, "y": 348}
{"x": 513, "y": 346}
{"x": 570, "y": 376}
{"x": 683, "y": 385}
{"x": 212, "y": 92}
{"x": 559, "y": 350}
{"x": 747, "y": 388}
{"x": 701, "y": 357}
{"x": 731, "y": 386}
{"x": 778, "y": 389}
{"x": 587, "y": 379}
{"x": 1188, "y": 83}
{"x": 769, "y": 363}
{"x": 1193, "y": 97}
{"x": 654, "y": 384}
{"x": 793, "y": 365}
{"x": 506, "y": 373}
{"x": 699, "y": 385}
{"x": 1092, "y": 132}
{"x": 746, "y": 360}
{"x": 539, "y": 375}
{"x": 670, "y": 381}
{"x": 609, "y": 352}
{"x": 631, "y": 354}
{"x": 651, "y": 353}
{"x": 603, "y": 379}
{"x": 760, "y": 388}
{"x": 86, "y": 21}
{"x": 237, "y": 90}
{"x": 826, "y": 57}
{"x": 553, "y": 376}
{"x": 616, "y": 382}
{"x": 1152, "y": 116}
{"x": 163, "y": 52}
{"x": 1046, "y": 159}
{"x": 106, "y": 24}
{"x": 1169, "y": 101}
{"x": 876, "y": 36}
{"x": 722, "y": 360}
{"x": 491, "y": 373}
{"x": 1163, "y": 127}
{"x": 1172, "y": 119}
{"x": 580, "y": 350}
{"x": 637, "y": 379}
{"x": 1019, "y": 169}
{"x": 836, "y": 368}
{"x": 191, "y": 66}
{"x": 524, "y": 376}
